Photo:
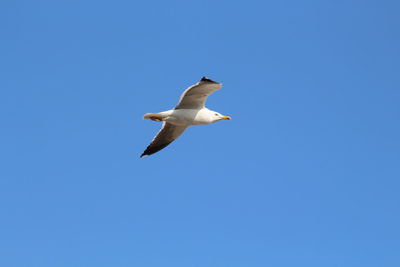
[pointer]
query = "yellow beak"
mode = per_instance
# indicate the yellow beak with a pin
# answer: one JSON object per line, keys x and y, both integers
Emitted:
{"x": 225, "y": 118}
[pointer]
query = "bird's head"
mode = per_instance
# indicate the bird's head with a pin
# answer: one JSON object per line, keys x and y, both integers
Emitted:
{"x": 218, "y": 116}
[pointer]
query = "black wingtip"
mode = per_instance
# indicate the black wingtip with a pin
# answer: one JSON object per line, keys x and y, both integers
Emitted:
{"x": 150, "y": 150}
{"x": 145, "y": 154}
{"x": 205, "y": 79}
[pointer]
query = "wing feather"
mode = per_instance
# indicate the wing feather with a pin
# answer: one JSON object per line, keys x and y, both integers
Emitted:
{"x": 196, "y": 95}
{"x": 165, "y": 136}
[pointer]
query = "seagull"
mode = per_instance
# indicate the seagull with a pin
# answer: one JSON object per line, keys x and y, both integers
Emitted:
{"x": 189, "y": 111}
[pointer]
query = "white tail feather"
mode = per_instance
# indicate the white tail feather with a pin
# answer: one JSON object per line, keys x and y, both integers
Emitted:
{"x": 152, "y": 116}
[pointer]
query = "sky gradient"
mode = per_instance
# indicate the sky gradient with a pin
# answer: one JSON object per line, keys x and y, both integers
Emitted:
{"x": 305, "y": 174}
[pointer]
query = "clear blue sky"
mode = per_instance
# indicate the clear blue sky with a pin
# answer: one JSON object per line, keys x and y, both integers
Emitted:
{"x": 305, "y": 174}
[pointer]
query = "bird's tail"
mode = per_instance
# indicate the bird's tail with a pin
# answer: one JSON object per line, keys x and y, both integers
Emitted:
{"x": 153, "y": 116}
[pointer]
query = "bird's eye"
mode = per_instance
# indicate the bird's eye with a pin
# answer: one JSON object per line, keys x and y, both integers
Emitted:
{"x": 216, "y": 114}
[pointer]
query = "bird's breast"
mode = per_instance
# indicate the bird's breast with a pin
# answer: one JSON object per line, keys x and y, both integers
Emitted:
{"x": 188, "y": 117}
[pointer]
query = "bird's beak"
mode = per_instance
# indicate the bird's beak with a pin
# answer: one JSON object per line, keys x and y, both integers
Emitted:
{"x": 225, "y": 118}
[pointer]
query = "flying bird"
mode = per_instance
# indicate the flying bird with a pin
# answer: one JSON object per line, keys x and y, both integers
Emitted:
{"x": 190, "y": 110}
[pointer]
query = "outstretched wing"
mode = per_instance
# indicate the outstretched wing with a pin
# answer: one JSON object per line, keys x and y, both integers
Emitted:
{"x": 196, "y": 95}
{"x": 165, "y": 136}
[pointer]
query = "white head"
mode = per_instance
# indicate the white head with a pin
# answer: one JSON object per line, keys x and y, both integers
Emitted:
{"x": 215, "y": 116}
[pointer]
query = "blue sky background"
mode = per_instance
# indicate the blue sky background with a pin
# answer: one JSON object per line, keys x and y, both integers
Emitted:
{"x": 306, "y": 174}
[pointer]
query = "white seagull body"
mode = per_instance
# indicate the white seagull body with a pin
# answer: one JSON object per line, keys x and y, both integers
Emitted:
{"x": 189, "y": 111}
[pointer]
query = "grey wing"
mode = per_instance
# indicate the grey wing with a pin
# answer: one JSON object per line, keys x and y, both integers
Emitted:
{"x": 196, "y": 95}
{"x": 165, "y": 136}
